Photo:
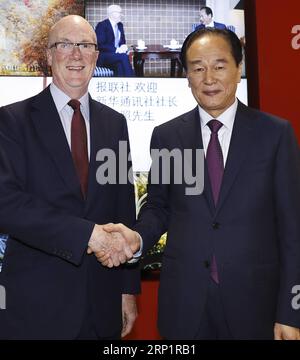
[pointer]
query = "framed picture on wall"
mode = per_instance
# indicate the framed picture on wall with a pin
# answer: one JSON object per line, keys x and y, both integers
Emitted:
{"x": 24, "y": 26}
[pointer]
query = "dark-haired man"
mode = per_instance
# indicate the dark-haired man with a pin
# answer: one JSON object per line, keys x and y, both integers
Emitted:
{"x": 232, "y": 258}
{"x": 206, "y": 19}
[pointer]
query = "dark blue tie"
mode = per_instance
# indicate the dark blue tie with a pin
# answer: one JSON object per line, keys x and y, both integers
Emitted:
{"x": 117, "y": 36}
{"x": 215, "y": 165}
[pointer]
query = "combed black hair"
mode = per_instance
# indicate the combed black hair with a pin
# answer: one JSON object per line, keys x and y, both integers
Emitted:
{"x": 208, "y": 10}
{"x": 229, "y": 36}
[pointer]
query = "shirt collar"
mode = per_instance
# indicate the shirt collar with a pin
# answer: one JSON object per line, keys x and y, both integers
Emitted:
{"x": 211, "y": 24}
{"x": 61, "y": 99}
{"x": 113, "y": 23}
{"x": 226, "y": 118}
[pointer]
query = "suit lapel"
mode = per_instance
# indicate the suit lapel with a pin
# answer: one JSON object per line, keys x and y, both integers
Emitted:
{"x": 190, "y": 135}
{"x": 98, "y": 136}
{"x": 111, "y": 29}
{"x": 190, "y": 131}
{"x": 241, "y": 140}
{"x": 49, "y": 128}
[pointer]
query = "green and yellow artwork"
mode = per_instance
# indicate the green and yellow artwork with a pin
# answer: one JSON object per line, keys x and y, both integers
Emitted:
{"x": 24, "y": 28}
{"x": 152, "y": 260}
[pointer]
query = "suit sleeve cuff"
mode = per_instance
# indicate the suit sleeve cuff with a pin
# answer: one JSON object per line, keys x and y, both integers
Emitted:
{"x": 138, "y": 254}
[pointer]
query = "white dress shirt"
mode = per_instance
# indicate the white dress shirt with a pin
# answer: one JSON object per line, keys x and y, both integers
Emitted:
{"x": 224, "y": 134}
{"x": 211, "y": 24}
{"x": 116, "y": 31}
{"x": 66, "y": 112}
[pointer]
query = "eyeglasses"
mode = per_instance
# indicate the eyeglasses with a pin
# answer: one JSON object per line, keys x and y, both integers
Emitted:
{"x": 68, "y": 47}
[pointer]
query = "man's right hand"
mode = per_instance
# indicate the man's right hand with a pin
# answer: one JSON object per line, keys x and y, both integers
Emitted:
{"x": 121, "y": 234}
{"x": 122, "y": 49}
{"x": 111, "y": 249}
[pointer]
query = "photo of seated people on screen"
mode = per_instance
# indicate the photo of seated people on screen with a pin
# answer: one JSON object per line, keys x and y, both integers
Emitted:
{"x": 113, "y": 51}
{"x": 144, "y": 39}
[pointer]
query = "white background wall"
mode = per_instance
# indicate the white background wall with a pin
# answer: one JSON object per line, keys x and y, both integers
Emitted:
{"x": 145, "y": 102}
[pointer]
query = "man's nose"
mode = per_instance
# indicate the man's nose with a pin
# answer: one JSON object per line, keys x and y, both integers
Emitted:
{"x": 209, "y": 77}
{"x": 76, "y": 52}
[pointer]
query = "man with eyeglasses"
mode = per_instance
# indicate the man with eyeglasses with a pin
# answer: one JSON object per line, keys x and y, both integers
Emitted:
{"x": 112, "y": 43}
{"x": 51, "y": 204}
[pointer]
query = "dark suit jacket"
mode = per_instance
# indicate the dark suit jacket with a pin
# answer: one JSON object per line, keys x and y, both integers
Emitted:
{"x": 51, "y": 283}
{"x": 254, "y": 231}
{"x": 106, "y": 37}
{"x": 216, "y": 26}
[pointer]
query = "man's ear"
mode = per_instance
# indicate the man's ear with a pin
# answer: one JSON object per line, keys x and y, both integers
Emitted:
{"x": 49, "y": 57}
{"x": 96, "y": 56}
{"x": 240, "y": 71}
{"x": 188, "y": 79}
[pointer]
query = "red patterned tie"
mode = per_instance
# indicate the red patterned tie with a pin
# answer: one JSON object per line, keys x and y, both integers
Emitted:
{"x": 215, "y": 165}
{"x": 79, "y": 145}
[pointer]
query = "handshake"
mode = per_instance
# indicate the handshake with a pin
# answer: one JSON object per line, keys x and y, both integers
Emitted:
{"x": 113, "y": 244}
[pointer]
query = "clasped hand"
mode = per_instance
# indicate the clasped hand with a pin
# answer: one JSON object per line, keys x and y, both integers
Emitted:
{"x": 113, "y": 244}
{"x": 122, "y": 49}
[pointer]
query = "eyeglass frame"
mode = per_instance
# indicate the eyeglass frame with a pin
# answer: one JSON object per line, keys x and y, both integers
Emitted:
{"x": 54, "y": 45}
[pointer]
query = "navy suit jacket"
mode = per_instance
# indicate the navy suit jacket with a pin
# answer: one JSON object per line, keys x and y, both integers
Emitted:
{"x": 216, "y": 26}
{"x": 51, "y": 283}
{"x": 106, "y": 37}
{"x": 254, "y": 231}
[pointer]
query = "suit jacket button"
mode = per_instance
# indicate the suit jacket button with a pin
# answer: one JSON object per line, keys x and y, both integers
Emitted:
{"x": 206, "y": 263}
{"x": 215, "y": 225}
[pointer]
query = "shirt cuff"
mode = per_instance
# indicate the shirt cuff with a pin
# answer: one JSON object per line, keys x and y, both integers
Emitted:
{"x": 138, "y": 254}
